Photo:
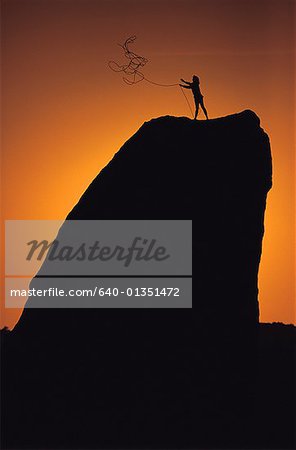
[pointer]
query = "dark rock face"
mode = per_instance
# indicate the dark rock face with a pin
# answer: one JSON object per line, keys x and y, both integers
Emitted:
{"x": 215, "y": 172}
{"x": 158, "y": 378}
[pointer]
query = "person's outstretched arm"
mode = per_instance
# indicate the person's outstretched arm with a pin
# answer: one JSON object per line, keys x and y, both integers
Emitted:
{"x": 187, "y": 82}
{"x": 185, "y": 86}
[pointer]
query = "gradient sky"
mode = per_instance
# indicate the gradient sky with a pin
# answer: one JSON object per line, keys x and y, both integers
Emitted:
{"x": 64, "y": 113}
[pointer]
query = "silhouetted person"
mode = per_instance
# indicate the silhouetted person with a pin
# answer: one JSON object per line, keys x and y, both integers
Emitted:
{"x": 198, "y": 97}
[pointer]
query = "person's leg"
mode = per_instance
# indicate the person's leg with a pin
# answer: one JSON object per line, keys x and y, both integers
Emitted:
{"x": 204, "y": 109}
{"x": 196, "y": 110}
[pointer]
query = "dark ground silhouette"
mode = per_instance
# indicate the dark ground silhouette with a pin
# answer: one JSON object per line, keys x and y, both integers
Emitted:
{"x": 206, "y": 377}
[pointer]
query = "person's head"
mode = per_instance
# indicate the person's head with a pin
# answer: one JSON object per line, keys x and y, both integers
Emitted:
{"x": 195, "y": 79}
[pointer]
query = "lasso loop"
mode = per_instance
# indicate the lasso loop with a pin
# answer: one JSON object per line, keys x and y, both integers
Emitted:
{"x": 133, "y": 68}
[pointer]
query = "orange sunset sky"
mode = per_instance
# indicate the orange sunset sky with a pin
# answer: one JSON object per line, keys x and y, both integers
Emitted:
{"x": 64, "y": 113}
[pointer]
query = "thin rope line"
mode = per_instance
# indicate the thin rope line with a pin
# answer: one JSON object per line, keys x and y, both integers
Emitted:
{"x": 171, "y": 85}
{"x": 187, "y": 101}
{"x": 159, "y": 84}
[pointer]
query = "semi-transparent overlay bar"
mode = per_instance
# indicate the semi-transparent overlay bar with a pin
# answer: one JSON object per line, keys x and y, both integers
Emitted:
{"x": 99, "y": 293}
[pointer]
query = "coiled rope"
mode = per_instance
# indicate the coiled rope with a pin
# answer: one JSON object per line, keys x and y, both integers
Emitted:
{"x": 134, "y": 66}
